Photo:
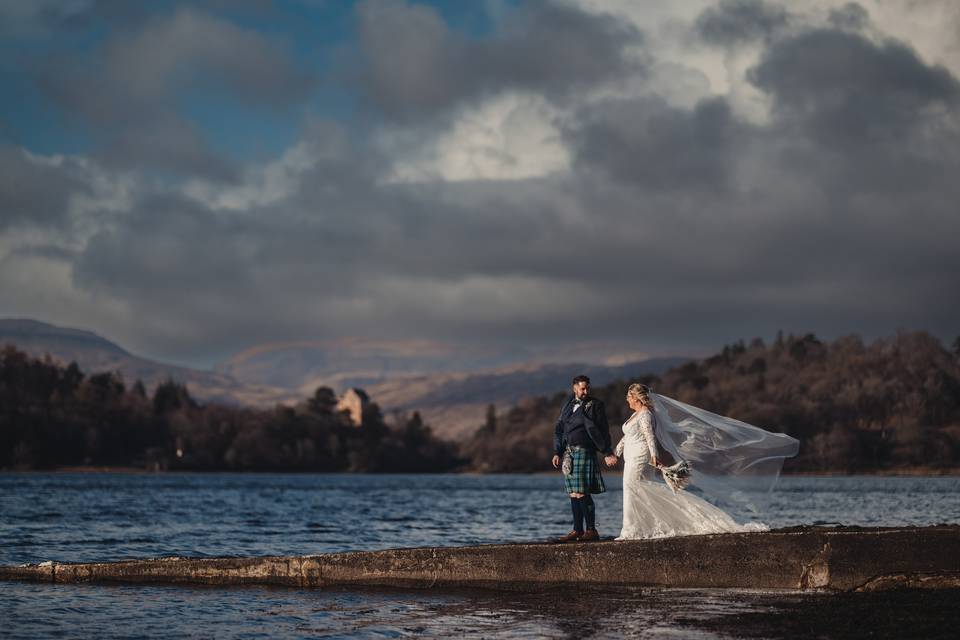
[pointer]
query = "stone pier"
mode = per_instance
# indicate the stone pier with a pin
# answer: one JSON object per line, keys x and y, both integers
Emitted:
{"x": 806, "y": 558}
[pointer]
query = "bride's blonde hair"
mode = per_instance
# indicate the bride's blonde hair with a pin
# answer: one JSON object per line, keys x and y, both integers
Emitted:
{"x": 640, "y": 393}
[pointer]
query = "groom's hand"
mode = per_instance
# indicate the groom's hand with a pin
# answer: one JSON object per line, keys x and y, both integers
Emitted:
{"x": 556, "y": 462}
{"x": 611, "y": 460}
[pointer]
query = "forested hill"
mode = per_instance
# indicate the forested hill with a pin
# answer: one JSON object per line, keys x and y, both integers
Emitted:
{"x": 855, "y": 407}
{"x": 894, "y": 403}
{"x": 53, "y": 416}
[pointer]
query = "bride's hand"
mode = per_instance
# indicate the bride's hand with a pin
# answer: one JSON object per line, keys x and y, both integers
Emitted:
{"x": 611, "y": 460}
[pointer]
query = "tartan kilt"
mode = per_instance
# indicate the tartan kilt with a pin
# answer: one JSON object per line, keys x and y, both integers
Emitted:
{"x": 584, "y": 476}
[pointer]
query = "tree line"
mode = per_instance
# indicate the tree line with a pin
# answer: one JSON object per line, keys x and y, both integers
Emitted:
{"x": 54, "y": 416}
{"x": 855, "y": 407}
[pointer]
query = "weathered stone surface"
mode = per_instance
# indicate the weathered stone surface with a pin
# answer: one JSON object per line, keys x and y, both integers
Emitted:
{"x": 944, "y": 580}
{"x": 843, "y": 558}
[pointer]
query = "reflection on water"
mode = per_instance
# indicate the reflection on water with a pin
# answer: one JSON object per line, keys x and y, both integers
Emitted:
{"x": 81, "y": 611}
{"x": 44, "y": 611}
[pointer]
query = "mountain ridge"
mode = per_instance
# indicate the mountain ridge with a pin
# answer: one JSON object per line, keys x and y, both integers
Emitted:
{"x": 29, "y": 329}
{"x": 451, "y": 388}
{"x": 93, "y": 354}
{"x": 459, "y": 402}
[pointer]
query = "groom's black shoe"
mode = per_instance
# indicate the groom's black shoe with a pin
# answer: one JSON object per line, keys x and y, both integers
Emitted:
{"x": 590, "y": 535}
{"x": 573, "y": 536}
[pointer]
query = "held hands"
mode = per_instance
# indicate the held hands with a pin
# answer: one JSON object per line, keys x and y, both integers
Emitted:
{"x": 611, "y": 461}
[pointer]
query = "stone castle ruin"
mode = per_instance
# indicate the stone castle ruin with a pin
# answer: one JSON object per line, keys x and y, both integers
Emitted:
{"x": 354, "y": 401}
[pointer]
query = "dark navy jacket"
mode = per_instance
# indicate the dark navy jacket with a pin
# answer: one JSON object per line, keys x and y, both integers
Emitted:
{"x": 587, "y": 427}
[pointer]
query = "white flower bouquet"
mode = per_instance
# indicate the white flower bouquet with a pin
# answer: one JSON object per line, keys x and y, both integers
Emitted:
{"x": 677, "y": 476}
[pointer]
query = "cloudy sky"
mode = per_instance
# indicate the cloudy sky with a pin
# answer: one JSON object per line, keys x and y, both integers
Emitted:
{"x": 192, "y": 178}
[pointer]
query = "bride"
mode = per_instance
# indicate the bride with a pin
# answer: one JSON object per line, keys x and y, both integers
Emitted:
{"x": 725, "y": 457}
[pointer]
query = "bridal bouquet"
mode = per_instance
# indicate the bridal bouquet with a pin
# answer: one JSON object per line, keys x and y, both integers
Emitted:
{"x": 677, "y": 476}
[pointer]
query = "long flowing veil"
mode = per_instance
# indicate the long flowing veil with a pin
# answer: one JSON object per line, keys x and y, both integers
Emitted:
{"x": 733, "y": 463}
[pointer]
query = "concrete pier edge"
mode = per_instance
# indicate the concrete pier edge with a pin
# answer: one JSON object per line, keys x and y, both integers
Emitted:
{"x": 803, "y": 558}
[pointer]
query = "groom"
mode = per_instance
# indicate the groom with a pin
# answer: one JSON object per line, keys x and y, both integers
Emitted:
{"x": 580, "y": 433}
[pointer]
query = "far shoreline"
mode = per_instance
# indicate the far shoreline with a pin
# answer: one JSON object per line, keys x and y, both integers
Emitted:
{"x": 916, "y": 472}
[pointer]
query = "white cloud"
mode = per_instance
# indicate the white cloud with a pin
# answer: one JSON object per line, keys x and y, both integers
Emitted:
{"x": 38, "y": 283}
{"x": 929, "y": 26}
{"x": 509, "y": 137}
{"x": 265, "y": 185}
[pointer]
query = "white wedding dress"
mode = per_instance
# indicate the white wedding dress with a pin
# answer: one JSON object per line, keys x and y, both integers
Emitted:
{"x": 650, "y": 508}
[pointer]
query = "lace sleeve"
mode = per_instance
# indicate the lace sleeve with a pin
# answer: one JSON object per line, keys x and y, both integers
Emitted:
{"x": 646, "y": 429}
{"x": 619, "y": 450}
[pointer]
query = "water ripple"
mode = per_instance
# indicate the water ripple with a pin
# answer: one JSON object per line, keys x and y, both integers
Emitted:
{"x": 95, "y": 517}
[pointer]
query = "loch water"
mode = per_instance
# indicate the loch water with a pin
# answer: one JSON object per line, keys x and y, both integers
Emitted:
{"x": 112, "y": 516}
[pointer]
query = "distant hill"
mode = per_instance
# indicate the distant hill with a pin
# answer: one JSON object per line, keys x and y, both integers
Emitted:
{"x": 62, "y": 341}
{"x": 94, "y": 353}
{"x": 306, "y": 365}
{"x": 455, "y": 404}
{"x": 451, "y": 386}
{"x": 892, "y": 405}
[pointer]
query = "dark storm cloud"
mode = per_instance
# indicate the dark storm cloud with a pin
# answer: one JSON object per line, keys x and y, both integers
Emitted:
{"x": 168, "y": 244}
{"x": 67, "y": 18}
{"x": 849, "y": 87}
{"x": 49, "y": 252}
{"x": 841, "y": 199}
{"x": 874, "y": 115}
{"x": 342, "y": 254}
{"x": 135, "y": 74}
{"x": 734, "y": 22}
{"x": 694, "y": 223}
{"x": 201, "y": 284}
{"x": 414, "y": 65}
{"x": 675, "y": 225}
{"x": 650, "y": 143}
{"x": 35, "y": 193}
{"x": 130, "y": 87}
{"x": 169, "y": 143}
{"x": 283, "y": 269}
{"x": 850, "y": 16}
{"x": 38, "y": 16}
